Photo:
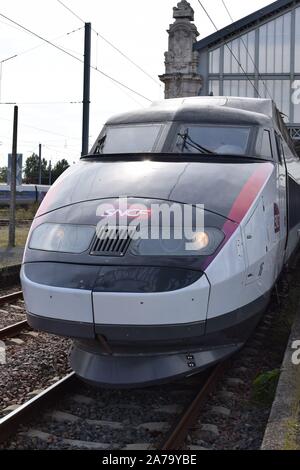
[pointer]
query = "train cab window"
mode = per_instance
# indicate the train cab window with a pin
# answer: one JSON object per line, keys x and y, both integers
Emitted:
{"x": 219, "y": 140}
{"x": 129, "y": 139}
{"x": 266, "y": 146}
{"x": 279, "y": 147}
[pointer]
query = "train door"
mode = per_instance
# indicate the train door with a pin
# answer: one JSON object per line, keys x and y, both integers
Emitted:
{"x": 281, "y": 207}
{"x": 256, "y": 243}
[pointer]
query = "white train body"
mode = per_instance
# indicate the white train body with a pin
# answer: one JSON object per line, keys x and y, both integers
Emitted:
{"x": 139, "y": 316}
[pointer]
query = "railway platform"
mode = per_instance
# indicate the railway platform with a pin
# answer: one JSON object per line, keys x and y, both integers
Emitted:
{"x": 10, "y": 256}
{"x": 283, "y": 429}
{"x": 10, "y": 270}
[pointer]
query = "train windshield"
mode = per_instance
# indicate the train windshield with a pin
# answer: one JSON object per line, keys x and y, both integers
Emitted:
{"x": 129, "y": 139}
{"x": 215, "y": 140}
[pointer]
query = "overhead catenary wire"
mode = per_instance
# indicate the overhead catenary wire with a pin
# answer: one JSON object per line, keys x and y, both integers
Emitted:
{"x": 121, "y": 84}
{"x": 59, "y": 151}
{"x": 71, "y": 11}
{"x": 29, "y": 31}
{"x": 26, "y": 51}
{"x": 248, "y": 52}
{"x": 133, "y": 98}
{"x": 230, "y": 50}
{"x": 39, "y": 102}
{"x": 228, "y": 12}
{"x": 127, "y": 58}
{"x": 8, "y": 58}
{"x": 61, "y": 49}
{"x": 55, "y": 149}
{"x": 135, "y": 64}
{"x": 42, "y": 130}
{"x": 8, "y": 25}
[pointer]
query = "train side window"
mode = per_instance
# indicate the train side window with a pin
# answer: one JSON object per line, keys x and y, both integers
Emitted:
{"x": 279, "y": 148}
{"x": 266, "y": 146}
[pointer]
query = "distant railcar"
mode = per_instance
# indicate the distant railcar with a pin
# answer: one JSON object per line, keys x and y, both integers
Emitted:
{"x": 26, "y": 194}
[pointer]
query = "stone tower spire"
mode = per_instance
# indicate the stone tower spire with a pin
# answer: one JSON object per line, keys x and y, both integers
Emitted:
{"x": 182, "y": 77}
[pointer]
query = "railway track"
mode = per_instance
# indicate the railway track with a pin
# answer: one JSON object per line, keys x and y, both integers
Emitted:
{"x": 13, "y": 330}
{"x": 17, "y": 327}
{"x": 55, "y": 408}
{"x": 184, "y": 414}
{"x": 172, "y": 430}
{"x": 178, "y": 434}
{"x": 10, "y": 423}
{"x": 206, "y": 411}
{"x": 8, "y": 298}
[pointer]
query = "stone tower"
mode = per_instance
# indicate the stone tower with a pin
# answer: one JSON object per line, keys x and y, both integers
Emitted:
{"x": 182, "y": 77}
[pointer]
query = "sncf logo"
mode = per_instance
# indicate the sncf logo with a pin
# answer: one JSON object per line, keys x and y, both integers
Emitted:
{"x": 125, "y": 213}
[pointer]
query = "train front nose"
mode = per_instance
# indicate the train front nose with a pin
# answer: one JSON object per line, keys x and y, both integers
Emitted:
{"x": 137, "y": 312}
{"x": 143, "y": 334}
{"x": 58, "y": 298}
{"x": 135, "y": 326}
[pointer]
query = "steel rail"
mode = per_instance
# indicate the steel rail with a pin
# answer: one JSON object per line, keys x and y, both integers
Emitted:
{"x": 15, "y": 328}
{"x": 12, "y": 330}
{"x": 7, "y": 299}
{"x": 177, "y": 437}
{"x": 10, "y": 423}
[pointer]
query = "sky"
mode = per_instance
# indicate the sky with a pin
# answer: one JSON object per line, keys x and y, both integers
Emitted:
{"x": 47, "y": 84}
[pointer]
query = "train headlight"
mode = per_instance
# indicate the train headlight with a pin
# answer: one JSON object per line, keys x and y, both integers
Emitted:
{"x": 66, "y": 238}
{"x": 202, "y": 243}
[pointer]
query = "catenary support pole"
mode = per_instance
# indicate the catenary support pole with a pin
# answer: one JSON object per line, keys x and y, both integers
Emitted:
{"x": 50, "y": 173}
{"x": 40, "y": 165}
{"x": 13, "y": 183}
{"x": 86, "y": 89}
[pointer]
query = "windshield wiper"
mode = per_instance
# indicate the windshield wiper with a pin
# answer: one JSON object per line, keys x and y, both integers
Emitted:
{"x": 100, "y": 145}
{"x": 187, "y": 141}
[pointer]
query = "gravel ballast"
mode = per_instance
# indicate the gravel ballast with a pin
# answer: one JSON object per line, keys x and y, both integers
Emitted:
{"x": 9, "y": 290}
{"x": 12, "y": 312}
{"x": 102, "y": 418}
{"x": 33, "y": 361}
{"x": 249, "y": 386}
{"x": 234, "y": 417}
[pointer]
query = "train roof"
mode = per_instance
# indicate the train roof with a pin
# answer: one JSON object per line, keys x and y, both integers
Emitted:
{"x": 231, "y": 110}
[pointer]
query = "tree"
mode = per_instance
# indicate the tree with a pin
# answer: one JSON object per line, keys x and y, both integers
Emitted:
{"x": 31, "y": 171}
{"x": 3, "y": 174}
{"x": 58, "y": 169}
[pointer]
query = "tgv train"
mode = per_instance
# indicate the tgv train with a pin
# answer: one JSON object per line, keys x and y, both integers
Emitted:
{"x": 143, "y": 310}
{"x": 26, "y": 194}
